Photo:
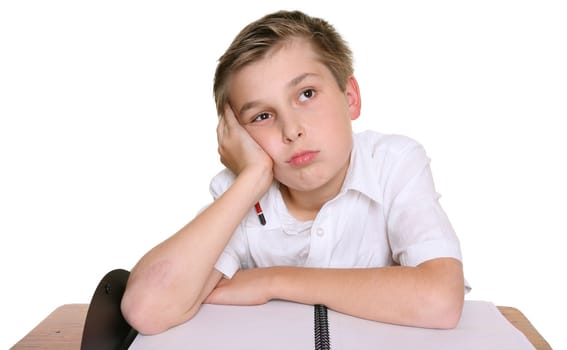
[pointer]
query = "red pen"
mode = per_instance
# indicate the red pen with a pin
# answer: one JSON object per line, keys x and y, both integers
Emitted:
{"x": 260, "y": 213}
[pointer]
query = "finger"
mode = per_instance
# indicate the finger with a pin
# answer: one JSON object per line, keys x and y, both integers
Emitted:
{"x": 221, "y": 129}
{"x": 229, "y": 116}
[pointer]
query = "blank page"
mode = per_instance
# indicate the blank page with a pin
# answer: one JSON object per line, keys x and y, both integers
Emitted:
{"x": 481, "y": 326}
{"x": 275, "y": 325}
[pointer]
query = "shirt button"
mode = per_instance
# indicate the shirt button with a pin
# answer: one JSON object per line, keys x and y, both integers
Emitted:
{"x": 320, "y": 232}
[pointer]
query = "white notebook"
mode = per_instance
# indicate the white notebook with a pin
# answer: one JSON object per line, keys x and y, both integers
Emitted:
{"x": 286, "y": 325}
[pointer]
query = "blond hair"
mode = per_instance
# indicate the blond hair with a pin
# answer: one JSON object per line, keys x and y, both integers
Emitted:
{"x": 258, "y": 38}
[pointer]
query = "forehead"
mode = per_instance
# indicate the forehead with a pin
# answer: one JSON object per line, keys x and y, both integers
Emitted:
{"x": 277, "y": 69}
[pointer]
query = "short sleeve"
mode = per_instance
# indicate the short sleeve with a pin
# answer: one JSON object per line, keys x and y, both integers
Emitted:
{"x": 230, "y": 260}
{"x": 418, "y": 227}
{"x": 236, "y": 254}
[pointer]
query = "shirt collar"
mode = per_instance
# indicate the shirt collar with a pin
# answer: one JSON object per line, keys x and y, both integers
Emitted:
{"x": 362, "y": 172}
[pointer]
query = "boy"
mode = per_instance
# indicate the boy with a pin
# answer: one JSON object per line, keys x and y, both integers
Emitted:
{"x": 353, "y": 221}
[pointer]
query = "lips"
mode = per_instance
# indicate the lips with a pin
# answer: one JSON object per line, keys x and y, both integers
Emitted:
{"x": 302, "y": 158}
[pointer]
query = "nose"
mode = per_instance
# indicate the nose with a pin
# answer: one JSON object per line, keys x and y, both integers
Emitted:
{"x": 292, "y": 134}
{"x": 292, "y": 130}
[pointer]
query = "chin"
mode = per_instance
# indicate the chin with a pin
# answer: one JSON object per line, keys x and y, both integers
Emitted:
{"x": 304, "y": 185}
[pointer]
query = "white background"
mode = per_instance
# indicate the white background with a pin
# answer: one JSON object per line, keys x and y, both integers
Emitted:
{"x": 107, "y": 134}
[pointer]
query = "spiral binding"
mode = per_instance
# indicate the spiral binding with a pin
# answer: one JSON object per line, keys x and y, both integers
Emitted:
{"x": 322, "y": 338}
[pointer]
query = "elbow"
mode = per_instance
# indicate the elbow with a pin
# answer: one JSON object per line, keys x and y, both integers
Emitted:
{"x": 444, "y": 294}
{"x": 147, "y": 316}
{"x": 445, "y": 310}
{"x": 450, "y": 316}
{"x": 140, "y": 316}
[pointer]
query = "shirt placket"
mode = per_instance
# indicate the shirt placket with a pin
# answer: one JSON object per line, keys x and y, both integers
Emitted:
{"x": 321, "y": 240}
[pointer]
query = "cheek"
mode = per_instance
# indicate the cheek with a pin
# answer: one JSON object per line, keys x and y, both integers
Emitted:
{"x": 270, "y": 147}
{"x": 266, "y": 141}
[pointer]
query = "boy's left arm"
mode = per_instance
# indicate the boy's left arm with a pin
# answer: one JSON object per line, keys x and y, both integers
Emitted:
{"x": 430, "y": 295}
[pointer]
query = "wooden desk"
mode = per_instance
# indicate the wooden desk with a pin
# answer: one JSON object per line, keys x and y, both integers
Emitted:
{"x": 63, "y": 329}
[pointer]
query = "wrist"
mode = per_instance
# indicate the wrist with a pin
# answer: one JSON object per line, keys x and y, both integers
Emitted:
{"x": 275, "y": 282}
{"x": 258, "y": 179}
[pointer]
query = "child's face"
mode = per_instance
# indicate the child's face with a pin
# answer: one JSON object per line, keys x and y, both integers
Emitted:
{"x": 292, "y": 106}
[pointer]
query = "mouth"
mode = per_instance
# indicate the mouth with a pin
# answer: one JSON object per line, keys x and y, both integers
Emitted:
{"x": 302, "y": 158}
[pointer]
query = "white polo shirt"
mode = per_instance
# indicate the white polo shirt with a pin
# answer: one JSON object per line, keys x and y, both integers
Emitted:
{"x": 387, "y": 213}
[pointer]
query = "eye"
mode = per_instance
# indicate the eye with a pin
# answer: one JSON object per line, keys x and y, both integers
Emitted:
{"x": 306, "y": 95}
{"x": 261, "y": 116}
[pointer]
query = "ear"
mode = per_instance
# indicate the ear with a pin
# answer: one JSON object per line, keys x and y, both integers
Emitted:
{"x": 352, "y": 93}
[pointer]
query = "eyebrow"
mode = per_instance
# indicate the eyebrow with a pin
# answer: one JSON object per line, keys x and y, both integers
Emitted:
{"x": 292, "y": 83}
{"x": 297, "y": 80}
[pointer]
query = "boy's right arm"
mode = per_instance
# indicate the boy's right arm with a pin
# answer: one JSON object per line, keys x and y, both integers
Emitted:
{"x": 168, "y": 285}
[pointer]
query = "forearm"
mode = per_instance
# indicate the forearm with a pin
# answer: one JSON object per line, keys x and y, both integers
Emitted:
{"x": 169, "y": 281}
{"x": 425, "y": 296}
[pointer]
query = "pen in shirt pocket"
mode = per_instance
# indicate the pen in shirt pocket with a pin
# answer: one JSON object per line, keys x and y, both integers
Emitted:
{"x": 260, "y": 213}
